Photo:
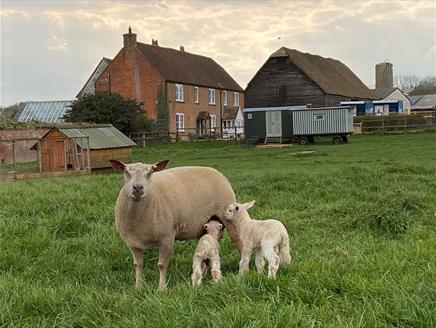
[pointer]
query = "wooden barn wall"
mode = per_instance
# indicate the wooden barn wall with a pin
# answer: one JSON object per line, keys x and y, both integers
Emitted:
{"x": 280, "y": 83}
{"x": 100, "y": 157}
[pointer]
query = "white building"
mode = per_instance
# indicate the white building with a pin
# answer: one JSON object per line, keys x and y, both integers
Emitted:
{"x": 389, "y": 94}
{"x": 233, "y": 122}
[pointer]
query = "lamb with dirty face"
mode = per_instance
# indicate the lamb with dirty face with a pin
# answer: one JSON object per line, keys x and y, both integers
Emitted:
{"x": 268, "y": 238}
{"x": 155, "y": 207}
{"x": 207, "y": 253}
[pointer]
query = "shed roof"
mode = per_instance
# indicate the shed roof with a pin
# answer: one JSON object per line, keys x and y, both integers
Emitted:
{"x": 230, "y": 113}
{"x": 331, "y": 75}
{"x": 44, "y": 111}
{"x": 100, "y": 137}
{"x": 381, "y": 93}
{"x": 272, "y": 109}
{"x": 184, "y": 67}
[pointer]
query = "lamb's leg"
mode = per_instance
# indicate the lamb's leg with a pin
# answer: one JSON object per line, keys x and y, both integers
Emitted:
{"x": 165, "y": 250}
{"x": 138, "y": 260}
{"x": 260, "y": 262}
{"x": 245, "y": 260}
{"x": 216, "y": 269}
{"x": 197, "y": 271}
{"x": 273, "y": 261}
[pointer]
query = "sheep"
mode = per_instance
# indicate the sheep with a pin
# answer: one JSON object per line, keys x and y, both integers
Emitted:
{"x": 155, "y": 207}
{"x": 207, "y": 253}
{"x": 268, "y": 238}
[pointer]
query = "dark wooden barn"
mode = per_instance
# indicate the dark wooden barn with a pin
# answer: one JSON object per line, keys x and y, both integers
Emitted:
{"x": 290, "y": 77}
{"x": 82, "y": 147}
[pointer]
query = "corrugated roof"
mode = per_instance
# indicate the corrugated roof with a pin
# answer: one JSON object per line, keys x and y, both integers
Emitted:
{"x": 272, "y": 109}
{"x": 100, "y": 137}
{"x": 44, "y": 111}
{"x": 332, "y": 76}
{"x": 184, "y": 67}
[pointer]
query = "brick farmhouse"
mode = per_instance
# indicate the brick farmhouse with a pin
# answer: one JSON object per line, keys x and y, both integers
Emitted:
{"x": 197, "y": 89}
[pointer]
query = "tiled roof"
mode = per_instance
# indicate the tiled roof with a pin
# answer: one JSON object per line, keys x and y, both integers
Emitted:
{"x": 184, "y": 67}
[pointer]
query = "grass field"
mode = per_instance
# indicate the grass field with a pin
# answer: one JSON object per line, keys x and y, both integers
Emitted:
{"x": 361, "y": 219}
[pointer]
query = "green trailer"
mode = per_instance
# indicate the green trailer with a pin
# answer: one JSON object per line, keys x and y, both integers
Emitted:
{"x": 297, "y": 124}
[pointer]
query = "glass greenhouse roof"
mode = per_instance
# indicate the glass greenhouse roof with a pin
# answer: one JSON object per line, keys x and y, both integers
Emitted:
{"x": 44, "y": 111}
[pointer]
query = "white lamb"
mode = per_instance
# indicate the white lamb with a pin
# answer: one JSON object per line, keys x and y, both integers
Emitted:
{"x": 268, "y": 238}
{"x": 207, "y": 253}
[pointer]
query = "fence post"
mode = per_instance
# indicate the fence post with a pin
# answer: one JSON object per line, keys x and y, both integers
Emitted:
{"x": 177, "y": 134}
{"x": 143, "y": 140}
{"x": 235, "y": 131}
{"x": 87, "y": 156}
{"x": 13, "y": 158}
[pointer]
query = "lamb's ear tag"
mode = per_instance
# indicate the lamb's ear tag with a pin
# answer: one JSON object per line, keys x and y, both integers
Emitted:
{"x": 154, "y": 167}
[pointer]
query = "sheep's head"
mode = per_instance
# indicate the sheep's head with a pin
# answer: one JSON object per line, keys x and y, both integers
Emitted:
{"x": 137, "y": 176}
{"x": 234, "y": 210}
{"x": 215, "y": 229}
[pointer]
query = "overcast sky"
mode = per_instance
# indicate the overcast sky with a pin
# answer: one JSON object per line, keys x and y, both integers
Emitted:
{"x": 49, "y": 48}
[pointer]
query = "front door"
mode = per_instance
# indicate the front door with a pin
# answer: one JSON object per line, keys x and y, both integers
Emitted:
{"x": 201, "y": 125}
{"x": 274, "y": 124}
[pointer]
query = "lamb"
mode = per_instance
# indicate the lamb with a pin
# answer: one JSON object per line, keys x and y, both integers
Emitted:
{"x": 207, "y": 253}
{"x": 155, "y": 207}
{"x": 268, "y": 238}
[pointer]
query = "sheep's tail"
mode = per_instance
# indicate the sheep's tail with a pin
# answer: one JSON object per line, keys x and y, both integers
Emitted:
{"x": 285, "y": 257}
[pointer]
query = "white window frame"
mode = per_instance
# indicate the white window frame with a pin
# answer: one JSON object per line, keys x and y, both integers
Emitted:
{"x": 180, "y": 125}
{"x": 236, "y": 99}
{"x": 212, "y": 98}
{"x": 212, "y": 121}
{"x": 179, "y": 92}
{"x": 196, "y": 95}
{"x": 225, "y": 98}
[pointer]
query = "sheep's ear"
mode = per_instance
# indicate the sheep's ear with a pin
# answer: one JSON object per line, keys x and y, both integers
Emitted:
{"x": 117, "y": 165}
{"x": 160, "y": 165}
{"x": 248, "y": 205}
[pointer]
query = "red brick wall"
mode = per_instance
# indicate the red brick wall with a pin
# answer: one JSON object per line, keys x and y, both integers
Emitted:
{"x": 22, "y": 148}
{"x": 191, "y": 109}
{"x": 132, "y": 77}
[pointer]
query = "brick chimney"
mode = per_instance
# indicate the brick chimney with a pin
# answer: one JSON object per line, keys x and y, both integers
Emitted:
{"x": 182, "y": 49}
{"x": 129, "y": 39}
{"x": 154, "y": 42}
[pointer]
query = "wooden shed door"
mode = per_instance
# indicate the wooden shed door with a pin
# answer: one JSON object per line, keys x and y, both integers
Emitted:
{"x": 274, "y": 124}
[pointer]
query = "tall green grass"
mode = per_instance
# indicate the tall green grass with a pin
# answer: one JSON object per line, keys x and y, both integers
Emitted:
{"x": 361, "y": 219}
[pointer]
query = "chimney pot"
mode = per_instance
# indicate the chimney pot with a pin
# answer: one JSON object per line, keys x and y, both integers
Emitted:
{"x": 182, "y": 48}
{"x": 154, "y": 42}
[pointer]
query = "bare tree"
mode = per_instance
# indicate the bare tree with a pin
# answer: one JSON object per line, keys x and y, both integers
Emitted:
{"x": 425, "y": 86}
{"x": 406, "y": 83}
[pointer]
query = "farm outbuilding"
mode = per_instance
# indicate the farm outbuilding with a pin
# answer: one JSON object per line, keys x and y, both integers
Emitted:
{"x": 276, "y": 124}
{"x": 82, "y": 147}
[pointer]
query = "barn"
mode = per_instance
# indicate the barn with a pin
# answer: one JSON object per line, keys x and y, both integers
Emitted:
{"x": 71, "y": 147}
{"x": 290, "y": 77}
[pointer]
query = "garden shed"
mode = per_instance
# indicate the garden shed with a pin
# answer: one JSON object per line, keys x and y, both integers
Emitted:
{"x": 71, "y": 147}
{"x": 275, "y": 124}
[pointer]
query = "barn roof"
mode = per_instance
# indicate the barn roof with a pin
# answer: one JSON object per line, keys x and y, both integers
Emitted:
{"x": 44, "y": 111}
{"x": 331, "y": 75}
{"x": 184, "y": 67}
{"x": 100, "y": 137}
